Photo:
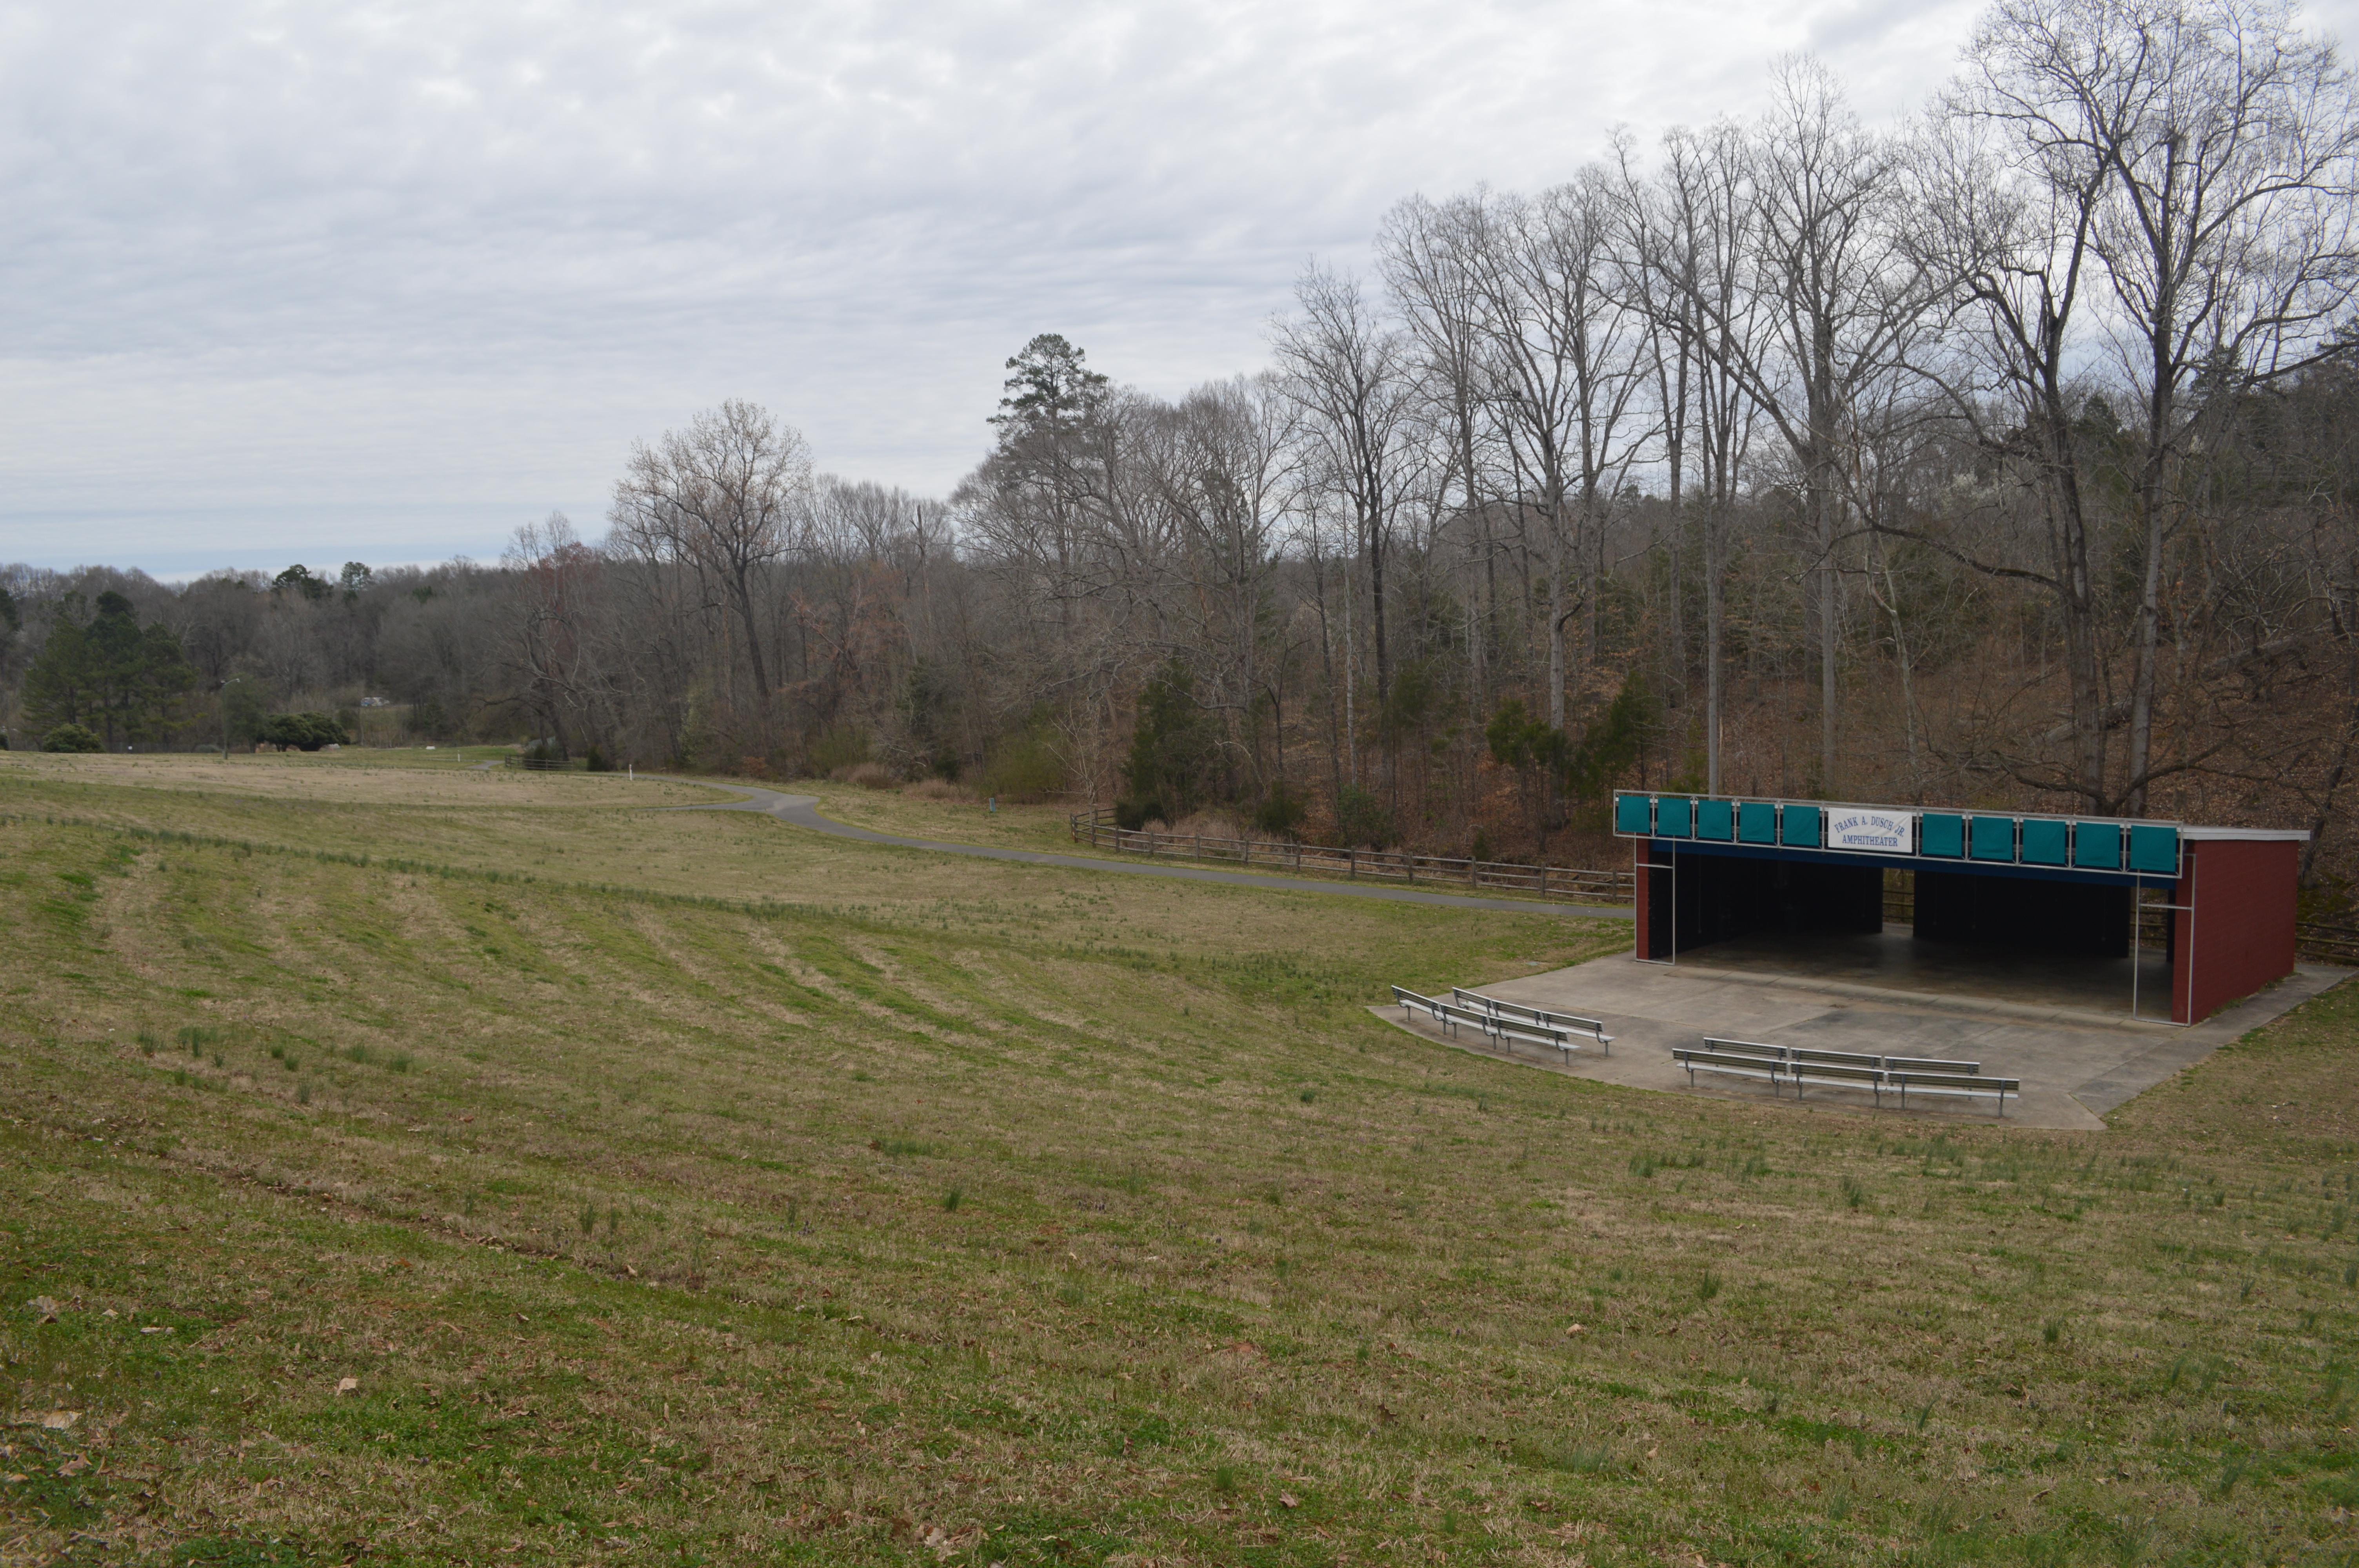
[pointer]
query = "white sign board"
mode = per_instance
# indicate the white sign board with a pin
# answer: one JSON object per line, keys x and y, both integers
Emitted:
{"x": 1877, "y": 832}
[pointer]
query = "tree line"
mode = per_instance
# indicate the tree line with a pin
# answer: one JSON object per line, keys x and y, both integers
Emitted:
{"x": 2002, "y": 456}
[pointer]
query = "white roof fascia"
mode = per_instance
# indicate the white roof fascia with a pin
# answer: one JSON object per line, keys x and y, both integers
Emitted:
{"x": 2261, "y": 835}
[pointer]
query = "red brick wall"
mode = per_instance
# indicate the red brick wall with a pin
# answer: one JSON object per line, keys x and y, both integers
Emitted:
{"x": 2240, "y": 934}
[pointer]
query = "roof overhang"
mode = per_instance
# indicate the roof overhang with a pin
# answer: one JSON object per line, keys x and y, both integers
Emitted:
{"x": 2252, "y": 835}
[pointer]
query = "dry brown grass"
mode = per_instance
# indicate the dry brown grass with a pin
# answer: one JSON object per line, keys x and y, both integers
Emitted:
{"x": 1212, "y": 825}
{"x": 412, "y": 781}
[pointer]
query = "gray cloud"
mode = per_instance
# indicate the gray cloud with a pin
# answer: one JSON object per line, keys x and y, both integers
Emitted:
{"x": 384, "y": 280}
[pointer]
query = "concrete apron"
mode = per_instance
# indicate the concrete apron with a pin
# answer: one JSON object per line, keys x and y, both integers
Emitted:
{"x": 2074, "y": 1066}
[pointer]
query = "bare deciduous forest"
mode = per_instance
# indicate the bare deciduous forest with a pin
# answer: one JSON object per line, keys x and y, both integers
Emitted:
{"x": 2003, "y": 457}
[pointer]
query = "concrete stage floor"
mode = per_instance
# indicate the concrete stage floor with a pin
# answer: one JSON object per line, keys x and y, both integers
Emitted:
{"x": 2062, "y": 1025}
{"x": 2046, "y": 986}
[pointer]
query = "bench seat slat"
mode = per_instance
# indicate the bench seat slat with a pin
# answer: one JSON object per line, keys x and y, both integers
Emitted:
{"x": 1744, "y": 1048}
{"x": 1837, "y": 1059}
{"x": 1836, "y": 1074}
{"x": 1716, "y": 1062}
{"x": 1962, "y": 1083}
{"x": 1969, "y": 1084}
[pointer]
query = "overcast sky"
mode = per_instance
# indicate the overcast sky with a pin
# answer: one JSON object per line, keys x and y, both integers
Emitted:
{"x": 381, "y": 281}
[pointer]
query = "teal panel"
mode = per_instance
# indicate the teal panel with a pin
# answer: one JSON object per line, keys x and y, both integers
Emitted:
{"x": 2097, "y": 845}
{"x": 1941, "y": 833}
{"x": 1802, "y": 826}
{"x": 1674, "y": 816}
{"x": 1993, "y": 838}
{"x": 2154, "y": 848}
{"x": 1715, "y": 819}
{"x": 1633, "y": 814}
{"x": 2043, "y": 843}
{"x": 1756, "y": 823}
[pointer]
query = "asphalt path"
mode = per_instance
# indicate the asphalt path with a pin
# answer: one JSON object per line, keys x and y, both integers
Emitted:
{"x": 802, "y": 811}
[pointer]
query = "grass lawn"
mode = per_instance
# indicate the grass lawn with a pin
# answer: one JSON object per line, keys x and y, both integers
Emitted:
{"x": 402, "y": 1166}
{"x": 1047, "y": 827}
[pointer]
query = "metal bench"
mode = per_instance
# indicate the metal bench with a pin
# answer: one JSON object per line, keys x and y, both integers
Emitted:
{"x": 1834, "y": 1058}
{"x": 1744, "y": 1048}
{"x": 1834, "y": 1075}
{"x": 1448, "y": 1018}
{"x": 1748, "y": 1067}
{"x": 1955, "y": 1083}
{"x": 1445, "y": 1017}
{"x": 1503, "y": 1029}
{"x": 1451, "y": 1018}
{"x": 1410, "y": 1002}
{"x": 1783, "y": 1064}
{"x": 1929, "y": 1065}
{"x": 1570, "y": 1023}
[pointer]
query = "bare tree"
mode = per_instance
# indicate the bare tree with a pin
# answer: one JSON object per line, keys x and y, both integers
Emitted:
{"x": 2227, "y": 236}
{"x": 1564, "y": 383}
{"x": 2011, "y": 179}
{"x": 725, "y": 497}
{"x": 1694, "y": 233}
{"x": 1429, "y": 255}
{"x": 1348, "y": 371}
{"x": 1843, "y": 297}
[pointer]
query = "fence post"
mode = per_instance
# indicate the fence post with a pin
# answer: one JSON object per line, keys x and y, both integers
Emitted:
{"x": 1544, "y": 882}
{"x": 1353, "y": 862}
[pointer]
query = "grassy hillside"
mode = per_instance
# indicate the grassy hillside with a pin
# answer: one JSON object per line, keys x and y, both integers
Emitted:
{"x": 439, "y": 1168}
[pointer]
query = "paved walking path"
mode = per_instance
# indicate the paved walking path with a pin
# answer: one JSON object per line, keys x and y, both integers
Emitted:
{"x": 802, "y": 811}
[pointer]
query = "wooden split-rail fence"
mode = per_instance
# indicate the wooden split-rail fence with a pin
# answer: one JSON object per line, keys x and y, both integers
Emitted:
{"x": 2325, "y": 944}
{"x": 1441, "y": 873}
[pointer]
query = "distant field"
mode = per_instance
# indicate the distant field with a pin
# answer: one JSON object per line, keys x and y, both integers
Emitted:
{"x": 479, "y": 1168}
{"x": 1012, "y": 826}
